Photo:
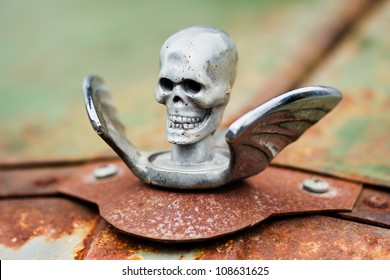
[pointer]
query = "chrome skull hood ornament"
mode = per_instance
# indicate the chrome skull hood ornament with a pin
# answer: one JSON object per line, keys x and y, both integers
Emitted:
{"x": 197, "y": 71}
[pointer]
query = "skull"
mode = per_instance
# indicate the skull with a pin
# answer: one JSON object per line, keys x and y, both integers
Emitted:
{"x": 197, "y": 71}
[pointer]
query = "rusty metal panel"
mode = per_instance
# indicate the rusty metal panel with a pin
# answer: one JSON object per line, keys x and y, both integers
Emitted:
{"x": 44, "y": 228}
{"x": 39, "y": 177}
{"x": 309, "y": 237}
{"x": 52, "y": 227}
{"x": 41, "y": 111}
{"x": 176, "y": 216}
{"x": 354, "y": 141}
{"x": 110, "y": 244}
{"x": 33, "y": 181}
{"x": 373, "y": 207}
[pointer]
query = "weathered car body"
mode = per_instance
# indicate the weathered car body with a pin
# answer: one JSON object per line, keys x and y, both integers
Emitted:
{"x": 49, "y": 151}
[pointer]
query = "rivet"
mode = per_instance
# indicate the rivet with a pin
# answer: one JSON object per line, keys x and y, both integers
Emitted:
{"x": 105, "y": 171}
{"x": 315, "y": 185}
{"x": 377, "y": 201}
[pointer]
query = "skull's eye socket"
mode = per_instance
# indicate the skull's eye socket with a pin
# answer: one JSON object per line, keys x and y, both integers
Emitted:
{"x": 166, "y": 84}
{"x": 191, "y": 86}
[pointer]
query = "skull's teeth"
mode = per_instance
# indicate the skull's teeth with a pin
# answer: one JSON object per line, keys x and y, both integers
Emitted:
{"x": 183, "y": 122}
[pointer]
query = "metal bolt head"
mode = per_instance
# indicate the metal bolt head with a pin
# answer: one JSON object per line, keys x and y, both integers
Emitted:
{"x": 315, "y": 185}
{"x": 377, "y": 201}
{"x": 105, "y": 171}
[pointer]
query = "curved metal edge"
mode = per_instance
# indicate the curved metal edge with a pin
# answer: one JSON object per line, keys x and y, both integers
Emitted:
{"x": 272, "y": 105}
{"x": 89, "y": 105}
{"x": 102, "y": 115}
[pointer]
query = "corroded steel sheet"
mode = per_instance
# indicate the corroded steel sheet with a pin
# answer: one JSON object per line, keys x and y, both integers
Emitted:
{"x": 65, "y": 229}
{"x": 354, "y": 141}
{"x": 44, "y": 228}
{"x": 309, "y": 237}
{"x": 42, "y": 115}
{"x": 33, "y": 181}
{"x": 373, "y": 207}
{"x": 110, "y": 244}
{"x": 173, "y": 215}
{"x": 39, "y": 178}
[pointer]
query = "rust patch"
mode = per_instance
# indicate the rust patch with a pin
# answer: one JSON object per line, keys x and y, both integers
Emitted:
{"x": 34, "y": 181}
{"x": 372, "y": 207}
{"x": 172, "y": 215}
{"x": 110, "y": 244}
{"x": 90, "y": 238}
{"x": 310, "y": 237}
{"x": 39, "y": 178}
{"x": 24, "y": 219}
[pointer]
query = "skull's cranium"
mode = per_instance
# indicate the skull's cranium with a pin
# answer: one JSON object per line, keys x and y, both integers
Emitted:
{"x": 197, "y": 71}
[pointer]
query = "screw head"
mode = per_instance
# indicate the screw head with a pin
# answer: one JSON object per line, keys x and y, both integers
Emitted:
{"x": 377, "y": 201}
{"x": 105, "y": 171}
{"x": 315, "y": 185}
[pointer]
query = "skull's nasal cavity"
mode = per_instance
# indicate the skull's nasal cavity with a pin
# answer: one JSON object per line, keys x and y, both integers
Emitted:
{"x": 176, "y": 99}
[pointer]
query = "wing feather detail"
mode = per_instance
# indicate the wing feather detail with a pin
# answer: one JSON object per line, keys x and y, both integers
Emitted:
{"x": 104, "y": 120}
{"x": 258, "y": 136}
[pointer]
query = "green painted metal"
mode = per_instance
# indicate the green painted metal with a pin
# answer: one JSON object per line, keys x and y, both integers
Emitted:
{"x": 354, "y": 140}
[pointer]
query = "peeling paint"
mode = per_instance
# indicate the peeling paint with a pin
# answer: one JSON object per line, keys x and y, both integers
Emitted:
{"x": 46, "y": 248}
{"x": 43, "y": 228}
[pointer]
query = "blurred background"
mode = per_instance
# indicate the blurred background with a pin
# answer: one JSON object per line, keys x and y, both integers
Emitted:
{"x": 48, "y": 47}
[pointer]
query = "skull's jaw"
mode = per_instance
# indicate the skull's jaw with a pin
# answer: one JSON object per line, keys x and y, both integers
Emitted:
{"x": 185, "y": 130}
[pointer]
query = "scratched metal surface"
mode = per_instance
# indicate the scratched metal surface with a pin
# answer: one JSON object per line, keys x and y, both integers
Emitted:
{"x": 47, "y": 48}
{"x": 354, "y": 140}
